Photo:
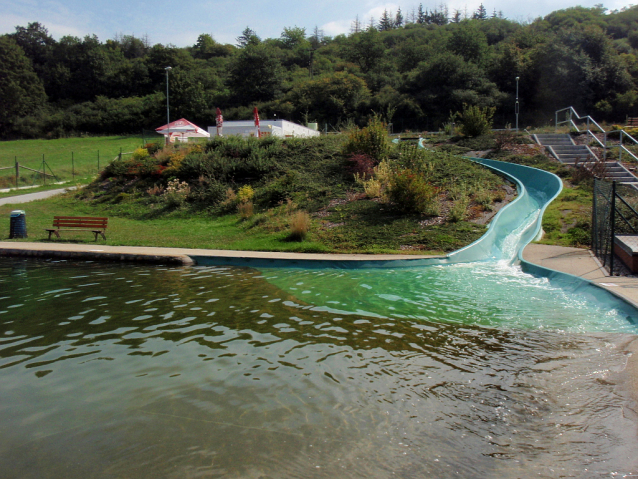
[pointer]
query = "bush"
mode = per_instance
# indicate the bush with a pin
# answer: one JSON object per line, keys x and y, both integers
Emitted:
{"x": 411, "y": 193}
{"x": 176, "y": 192}
{"x": 245, "y": 194}
{"x": 299, "y": 226}
{"x": 245, "y": 209}
{"x": 458, "y": 212}
{"x": 371, "y": 141}
{"x": 475, "y": 121}
{"x": 361, "y": 165}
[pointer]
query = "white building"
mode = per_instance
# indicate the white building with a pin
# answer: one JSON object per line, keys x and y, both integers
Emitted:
{"x": 280, "y": 128}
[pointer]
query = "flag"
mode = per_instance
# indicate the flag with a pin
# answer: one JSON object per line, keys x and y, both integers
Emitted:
{"x": 256, "y": 113}
{"x": 220, "y": 122}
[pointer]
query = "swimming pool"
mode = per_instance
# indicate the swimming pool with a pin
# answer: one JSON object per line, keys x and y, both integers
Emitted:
{"x": 128, "y": 371}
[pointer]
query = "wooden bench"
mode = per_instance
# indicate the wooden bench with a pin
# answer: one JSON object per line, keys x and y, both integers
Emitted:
{"x": 633, "y": 122}
{"x": 78, "y": 223}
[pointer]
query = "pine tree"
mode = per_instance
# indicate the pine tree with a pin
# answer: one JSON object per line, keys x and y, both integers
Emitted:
{"x": 421, "y": 18}
{"x": 398, "y": 19}
{"x": 386, "y": 22}
{"x": 480, "y": 14}
{"x": 355, "y": 26}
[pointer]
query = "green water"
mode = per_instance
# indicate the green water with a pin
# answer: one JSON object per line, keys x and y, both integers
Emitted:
{"x": 456, "y": 371}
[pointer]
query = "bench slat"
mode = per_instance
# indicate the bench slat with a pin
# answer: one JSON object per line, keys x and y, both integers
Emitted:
{"x": 80, "y": 224}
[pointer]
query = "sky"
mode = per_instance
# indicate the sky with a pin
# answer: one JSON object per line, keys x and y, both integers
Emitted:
{"x": 180, "y": 23}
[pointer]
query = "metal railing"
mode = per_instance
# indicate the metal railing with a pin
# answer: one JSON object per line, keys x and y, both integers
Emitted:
{"x": 570, "y": 114}
{"x": 613, "y": 212}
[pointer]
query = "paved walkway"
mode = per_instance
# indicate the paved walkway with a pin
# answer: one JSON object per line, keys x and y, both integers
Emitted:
{"x": 11, "y": 200}
{"x": 582, "y": 263}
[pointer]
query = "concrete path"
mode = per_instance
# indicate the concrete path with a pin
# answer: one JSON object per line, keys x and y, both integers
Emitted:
{"x": 10, "y": 200}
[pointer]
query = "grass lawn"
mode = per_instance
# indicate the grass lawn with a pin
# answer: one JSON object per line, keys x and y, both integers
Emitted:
{"x": 58, "y": 155}
{"x": 196, "y": 231}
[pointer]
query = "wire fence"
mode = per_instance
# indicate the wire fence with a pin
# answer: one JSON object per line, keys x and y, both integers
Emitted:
{"x": 67, "y": 159}
{"x": 614, "y": 213}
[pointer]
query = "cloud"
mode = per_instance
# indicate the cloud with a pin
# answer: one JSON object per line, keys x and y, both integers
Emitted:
{"x": 336, "y": 28}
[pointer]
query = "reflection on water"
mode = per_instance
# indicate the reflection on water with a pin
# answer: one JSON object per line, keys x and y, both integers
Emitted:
{"x": 121, "y": 371}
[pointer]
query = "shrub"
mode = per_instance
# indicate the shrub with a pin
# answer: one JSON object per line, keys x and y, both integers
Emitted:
{"x": 475, "y": 121}
{"x": 140, "y": 154}
{"x": 376, "y": 186}
{"x": 245, "y": 194}
{"x": 411, "y": 193}
{"x": 299, "y": 225}
{"x": 361, "y": 164}
{"x": 152, "y": 148}
{"x": 458, "y": 212}
{"x": 371, "y": 141}
{"x": 176, "y": 192}
{"x": 245, "y": 209}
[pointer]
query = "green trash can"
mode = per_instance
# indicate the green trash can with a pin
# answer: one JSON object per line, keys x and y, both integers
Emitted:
{"x": 18, "y": 226}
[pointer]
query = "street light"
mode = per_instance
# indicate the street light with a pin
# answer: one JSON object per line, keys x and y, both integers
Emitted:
{"x": 168, "y": 116}
{"x": 517, "y": 109}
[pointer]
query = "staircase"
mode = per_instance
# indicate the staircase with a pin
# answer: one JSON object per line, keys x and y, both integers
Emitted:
{"x": 563, "y": 148}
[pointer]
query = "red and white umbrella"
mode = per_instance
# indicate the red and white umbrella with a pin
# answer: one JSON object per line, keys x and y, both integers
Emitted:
{"x": 182, "y": 128}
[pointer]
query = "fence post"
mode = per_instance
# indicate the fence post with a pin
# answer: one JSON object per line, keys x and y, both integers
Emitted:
{"x": 44, "y": 173}
{"x": 15, "y": 159}
{"x": 620, "y": 147}
{"x": 98, "y": 161}
{"x": 120, "y": 154}
{"x": 613, "y": 224}
{"x": 72, "y": 166}
{"x": 605, "y": 149}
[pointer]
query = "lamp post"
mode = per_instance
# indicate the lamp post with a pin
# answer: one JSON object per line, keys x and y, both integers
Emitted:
{"x": 168, "y": 116}
{"x": 517, "y": 108}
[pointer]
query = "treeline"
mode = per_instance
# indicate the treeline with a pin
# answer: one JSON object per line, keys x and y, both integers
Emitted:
{"x": 413, "y": 70}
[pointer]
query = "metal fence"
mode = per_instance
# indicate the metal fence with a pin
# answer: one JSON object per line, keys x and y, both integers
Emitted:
{"x": 614, "y": 212}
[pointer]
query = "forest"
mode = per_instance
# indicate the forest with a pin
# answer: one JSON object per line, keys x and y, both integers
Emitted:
{"x": 414, "y": 71}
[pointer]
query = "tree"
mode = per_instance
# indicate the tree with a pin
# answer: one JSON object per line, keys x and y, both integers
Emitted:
{"x": 331, "y": 98}
{"x": 480, "y": 14}
{"x": 398, "y": 19}
{"x": 386, "y": 22}
{"x": 293, "y": 37}
{"x": 35, "y": 41}
{"x": 248, "y": 37}
{"x": 366, "y": 49}
{"x": 421, "y": 18}
{"x": 21, "y": 91}
{"x": 256, "y": 74}
{"x": 469, "y": 42}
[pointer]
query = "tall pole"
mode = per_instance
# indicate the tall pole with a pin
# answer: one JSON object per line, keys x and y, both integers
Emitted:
{"x": 516, "y": 109}
{"x": 168, "y": 115}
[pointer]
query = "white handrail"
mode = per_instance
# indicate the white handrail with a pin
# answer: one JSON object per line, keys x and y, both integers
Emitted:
{"x": 578, "y": 117}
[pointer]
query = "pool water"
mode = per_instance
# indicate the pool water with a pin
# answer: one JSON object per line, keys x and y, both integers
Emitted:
{"x": 445, "y": 371}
